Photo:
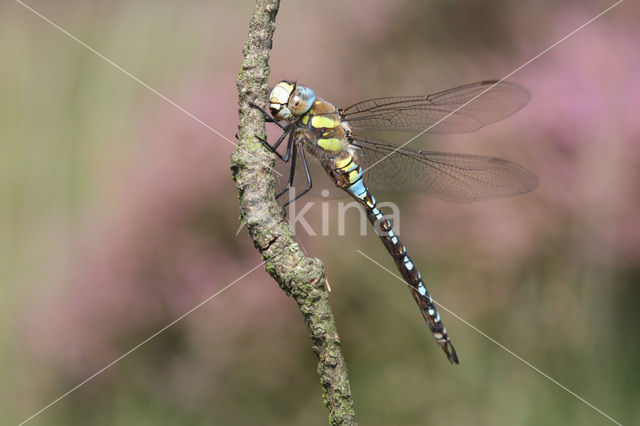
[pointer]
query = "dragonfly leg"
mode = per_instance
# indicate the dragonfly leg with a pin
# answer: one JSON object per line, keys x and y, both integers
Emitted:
{"x": 267, "y": 117}
{"x": 307, "y": 175}
{"x": 274, "y": 148}
{"x": 292, "y": 174}
{"x": 287, "y": 130}
{"x": 292, "y": 170}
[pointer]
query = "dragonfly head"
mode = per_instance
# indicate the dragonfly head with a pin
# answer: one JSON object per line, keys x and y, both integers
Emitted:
{"x": 289, "y": 100}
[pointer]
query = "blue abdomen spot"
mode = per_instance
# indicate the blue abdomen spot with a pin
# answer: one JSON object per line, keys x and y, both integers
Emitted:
{"x": 358, "y": 189}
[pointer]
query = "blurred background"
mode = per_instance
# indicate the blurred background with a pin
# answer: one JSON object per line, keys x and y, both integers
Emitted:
{"x": 118, "y": 214}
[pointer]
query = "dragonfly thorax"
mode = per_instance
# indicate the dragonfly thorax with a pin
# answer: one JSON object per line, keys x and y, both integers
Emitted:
{"x": 287, "y": 100}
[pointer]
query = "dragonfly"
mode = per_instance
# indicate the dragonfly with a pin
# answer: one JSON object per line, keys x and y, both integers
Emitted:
{"x": 314, "y": 126}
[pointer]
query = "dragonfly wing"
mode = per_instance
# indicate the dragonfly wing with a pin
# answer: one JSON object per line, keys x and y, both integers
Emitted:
{"x": 453, "y": 177}
{"x": 458, "y": 110}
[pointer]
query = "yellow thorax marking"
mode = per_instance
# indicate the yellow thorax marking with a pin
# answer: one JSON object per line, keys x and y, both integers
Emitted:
{"x": 305, "y": 119}
{"x": 320, "y": 121}
{"x": 330, "y": 144}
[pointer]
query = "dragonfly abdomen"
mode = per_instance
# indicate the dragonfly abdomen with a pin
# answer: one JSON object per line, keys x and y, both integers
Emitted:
{"x": 347, "y": 173}
{"x": 411, "y": 275}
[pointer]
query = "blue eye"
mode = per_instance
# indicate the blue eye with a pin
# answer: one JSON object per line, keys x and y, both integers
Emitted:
{"x": 302, "y": 100}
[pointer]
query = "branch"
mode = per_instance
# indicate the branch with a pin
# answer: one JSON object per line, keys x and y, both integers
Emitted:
{"x": 299, "y": 276}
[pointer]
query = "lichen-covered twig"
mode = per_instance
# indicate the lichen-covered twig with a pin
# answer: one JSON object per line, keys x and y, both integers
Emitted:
{"x": 299, "y": 276}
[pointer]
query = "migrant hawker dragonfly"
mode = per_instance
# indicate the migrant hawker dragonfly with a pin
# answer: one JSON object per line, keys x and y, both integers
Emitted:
{"x": 356, "y": 163}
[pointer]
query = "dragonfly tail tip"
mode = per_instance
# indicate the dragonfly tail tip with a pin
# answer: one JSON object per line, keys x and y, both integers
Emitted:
{"x": 450, "y": 351}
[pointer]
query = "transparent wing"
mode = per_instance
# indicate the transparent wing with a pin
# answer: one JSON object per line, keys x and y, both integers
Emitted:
{"x": 453, "y": 177}
{"x": 418, "y": 113}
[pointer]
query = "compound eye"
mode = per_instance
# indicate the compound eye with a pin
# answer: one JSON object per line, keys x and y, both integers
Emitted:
{"x": 301, "y": 100}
